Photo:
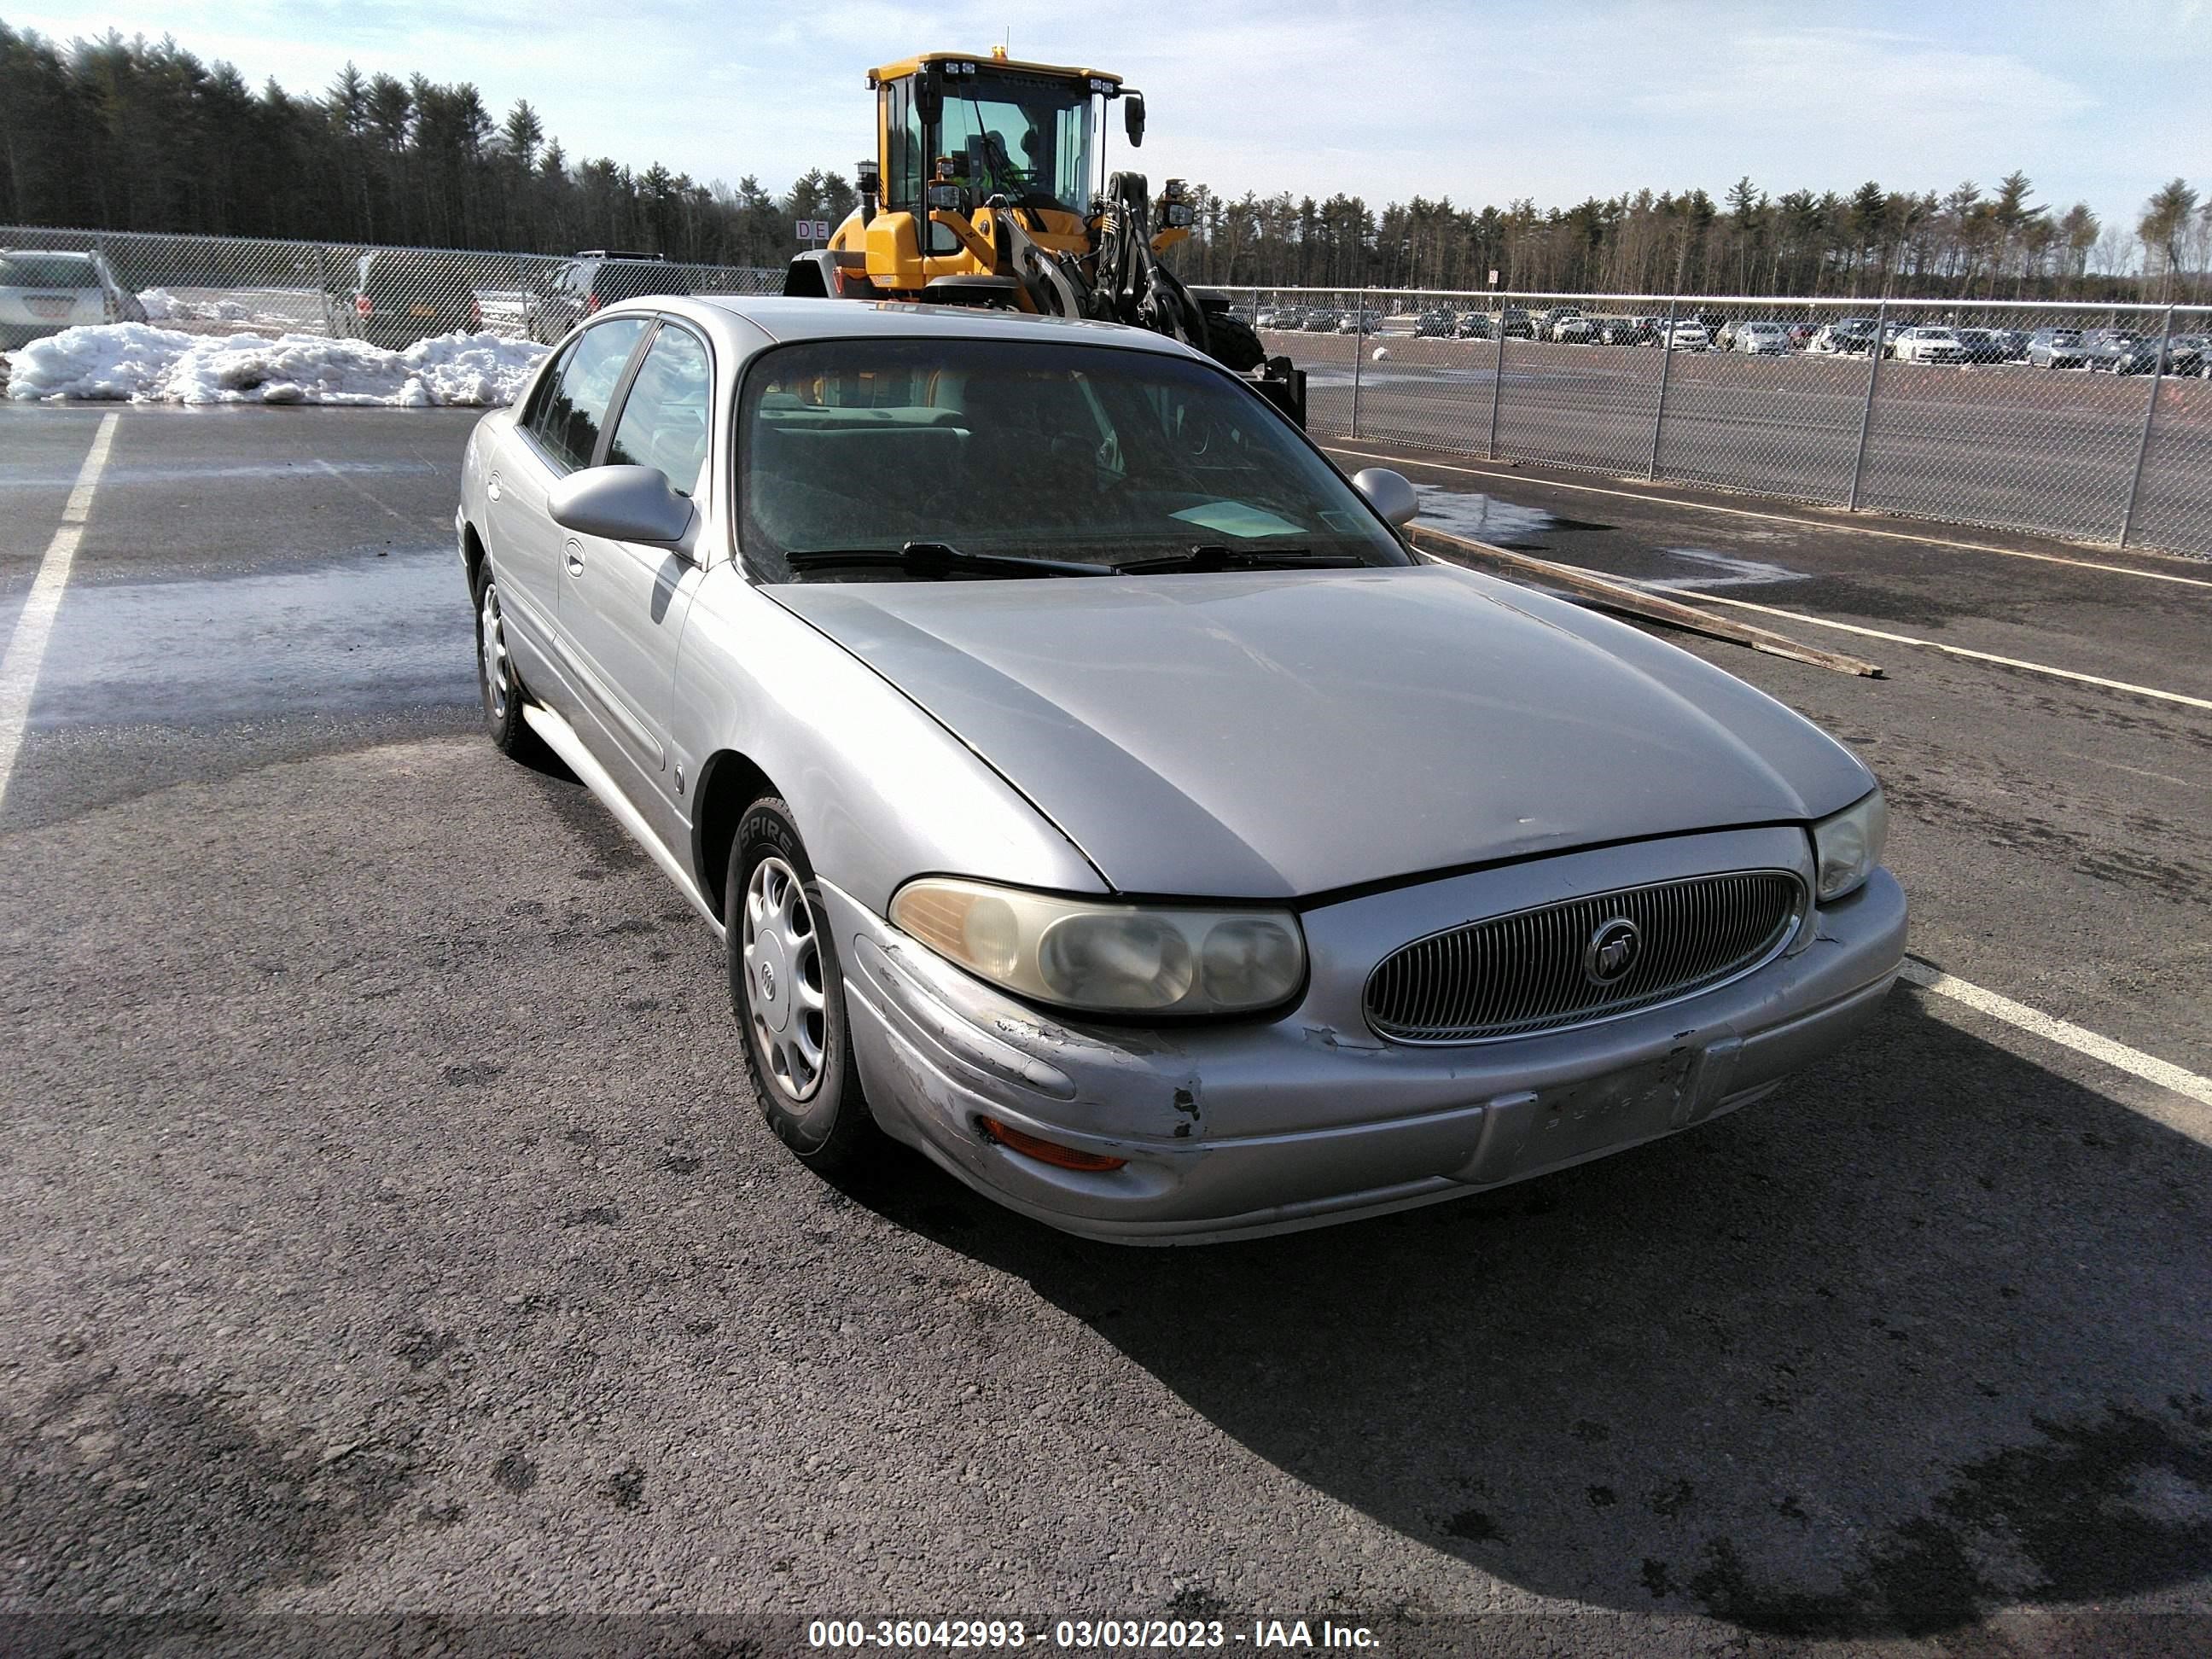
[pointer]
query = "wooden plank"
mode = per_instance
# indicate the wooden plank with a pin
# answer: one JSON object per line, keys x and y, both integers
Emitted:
{"x": 1605, "y": 593}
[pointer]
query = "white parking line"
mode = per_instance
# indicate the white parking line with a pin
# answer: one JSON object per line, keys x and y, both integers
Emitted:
{"x": 2067, "y": 1035}
{"x": 360, "y": 491}
{"x": 34, "y": 623}
{"x": 1956, "y": 650}
{"x": 1777, "y": 517}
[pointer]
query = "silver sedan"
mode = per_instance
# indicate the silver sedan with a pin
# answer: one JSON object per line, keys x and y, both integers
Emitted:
{"x": 1095, "y": 794}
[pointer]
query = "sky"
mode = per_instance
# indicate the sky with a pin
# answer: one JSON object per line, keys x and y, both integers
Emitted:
{"x": 1481, "y": 102}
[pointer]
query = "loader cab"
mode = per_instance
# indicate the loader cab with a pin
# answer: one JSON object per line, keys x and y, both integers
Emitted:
{"x": 956, "y": 130}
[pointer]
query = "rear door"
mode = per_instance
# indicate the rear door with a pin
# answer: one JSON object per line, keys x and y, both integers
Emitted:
{"x": 559, "y": 432}
{"x": 622, "y": 603}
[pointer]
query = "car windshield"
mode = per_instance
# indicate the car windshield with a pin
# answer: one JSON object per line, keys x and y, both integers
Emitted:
{"x": 46, "y": 271}
{"x": 1026, "y": 450}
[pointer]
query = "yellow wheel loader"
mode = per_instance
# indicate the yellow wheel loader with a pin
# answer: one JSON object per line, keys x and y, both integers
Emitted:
{"x": 989, "y": 189}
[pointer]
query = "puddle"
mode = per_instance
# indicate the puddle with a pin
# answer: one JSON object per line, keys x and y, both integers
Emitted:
{"x": 1485, "y": 518}
{"x": 1464, "y": 513}
{"x": 1722, "y": 570}
{"x": 367, "y": 633}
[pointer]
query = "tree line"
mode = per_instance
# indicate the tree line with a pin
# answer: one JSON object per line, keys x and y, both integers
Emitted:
{"x": 115, "y": 134}
{"x": 1998, "y": 244}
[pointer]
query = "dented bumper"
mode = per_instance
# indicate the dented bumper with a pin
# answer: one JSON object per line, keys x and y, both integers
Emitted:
{"x": 1306, "y": 1118}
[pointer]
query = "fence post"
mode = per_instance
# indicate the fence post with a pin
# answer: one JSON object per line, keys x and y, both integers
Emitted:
{"x": 1497, "y": 378}
{"x": 1359, "y": 350}
{"x": 1666, "y": 370}
{"x": 2150, "y": 418}
{"x": 1866, "y": 415}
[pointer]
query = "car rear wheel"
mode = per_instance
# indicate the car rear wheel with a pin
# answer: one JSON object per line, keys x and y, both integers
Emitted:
{"x": 498, "y": 684}
{"x": 789, "y": 995}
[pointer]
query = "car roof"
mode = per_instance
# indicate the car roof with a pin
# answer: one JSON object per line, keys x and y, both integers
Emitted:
{"x": 785, "y": 321}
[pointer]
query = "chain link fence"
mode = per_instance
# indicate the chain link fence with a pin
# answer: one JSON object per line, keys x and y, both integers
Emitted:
{"x": 2089, "y": 422}
{"x": 389, "y": 296}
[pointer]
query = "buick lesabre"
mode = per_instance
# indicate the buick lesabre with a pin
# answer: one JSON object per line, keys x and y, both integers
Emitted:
{"x": 1095, "y": 794}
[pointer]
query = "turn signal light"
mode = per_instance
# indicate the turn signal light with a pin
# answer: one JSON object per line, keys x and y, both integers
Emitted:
{"x": 1048, "y": 1152}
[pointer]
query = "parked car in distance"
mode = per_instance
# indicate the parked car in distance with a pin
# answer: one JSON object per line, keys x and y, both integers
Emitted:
{"x": 1516, "y": 322}
{"x": 1436, "y": 325}
{"x": 1323, "y": 320}
{"x": 1928, "y": 342}
{"x": 1685, "y": 335}
{"x": 1547, "y": 323}
{"x": 44, "y": 290}
{"x": 1359, "y": 322}
{"x": 1983, "y": 345}
{"x": 2182, "y": 355}
{"x": 1760, "y": 339}
{"x": 792, "y": 585}
{"x": 598, "y": 278}
{"x": 1847, "y": 336}
{"x": 1279, "y": 318}
{"x": 2058, "y": 348}
{"x": 1575, "y": 330}
{"x": 1476, "y": 325}
{"x": 402, "y": 295}
{"x": 1801, "y": 335}
{"x": 1626, "y": 330}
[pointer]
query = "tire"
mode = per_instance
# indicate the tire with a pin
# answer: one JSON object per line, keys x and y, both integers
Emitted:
{"x": 497, "y": 683}
{"x": 783, "y": 967}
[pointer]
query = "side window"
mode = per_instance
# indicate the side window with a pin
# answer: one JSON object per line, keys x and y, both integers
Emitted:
{"x": 664, "y": 419}
{"x": 903, "y": 188}
{"x": 534, "y": 419}
{"x": 569, "y": 424}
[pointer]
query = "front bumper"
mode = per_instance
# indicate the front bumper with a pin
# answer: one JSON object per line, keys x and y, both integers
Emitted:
{"x": 1309, "y": 1118}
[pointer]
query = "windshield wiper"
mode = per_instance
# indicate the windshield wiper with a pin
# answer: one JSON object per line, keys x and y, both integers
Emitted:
{"x": 941, "y": 559}
{"x": 1216, "y": 556}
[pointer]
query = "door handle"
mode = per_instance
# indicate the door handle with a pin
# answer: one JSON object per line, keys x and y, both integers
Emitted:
{"x": 576, "y": 564}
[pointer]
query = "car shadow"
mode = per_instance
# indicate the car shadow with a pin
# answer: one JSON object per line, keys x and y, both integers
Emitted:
{"x": 1922, "y": 1336}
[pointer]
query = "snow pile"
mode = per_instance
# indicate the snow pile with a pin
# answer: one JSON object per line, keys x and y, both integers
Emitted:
{"x": 161, "y": 305}
{"x": 139, "y": 363}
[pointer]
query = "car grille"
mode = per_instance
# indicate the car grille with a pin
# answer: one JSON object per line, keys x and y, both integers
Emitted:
{"x": 1511, "y": 976}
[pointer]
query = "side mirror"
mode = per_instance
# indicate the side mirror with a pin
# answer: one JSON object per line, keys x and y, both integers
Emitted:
{"x": 621, "y": 504}
{"x": 928, "y": 96}
{"x": 1133, "y": 117}
{"x": 1387, "y": 493}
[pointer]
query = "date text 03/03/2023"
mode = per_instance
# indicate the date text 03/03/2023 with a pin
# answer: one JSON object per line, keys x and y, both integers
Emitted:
{"x": 1087, "y": 1635}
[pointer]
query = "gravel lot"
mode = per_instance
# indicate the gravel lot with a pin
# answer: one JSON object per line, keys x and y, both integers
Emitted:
{"x": 387, "y": 1230}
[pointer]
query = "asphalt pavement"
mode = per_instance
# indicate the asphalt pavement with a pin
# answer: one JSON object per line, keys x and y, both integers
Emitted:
{"x": 387, "y": 1228}
{"x": 2047, "y": 451}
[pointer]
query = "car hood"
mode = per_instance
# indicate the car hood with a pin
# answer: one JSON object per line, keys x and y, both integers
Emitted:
{"x": 1279, "y": 734}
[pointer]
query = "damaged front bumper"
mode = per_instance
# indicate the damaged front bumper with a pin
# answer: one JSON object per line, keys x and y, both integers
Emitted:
{"x": 1304, "y": 1118}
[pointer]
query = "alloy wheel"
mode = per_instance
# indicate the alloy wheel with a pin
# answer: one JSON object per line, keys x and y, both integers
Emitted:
{"x": 785, "y": 997}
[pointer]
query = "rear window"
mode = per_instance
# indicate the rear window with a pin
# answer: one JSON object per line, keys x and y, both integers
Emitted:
{"x": 47, "y": 270}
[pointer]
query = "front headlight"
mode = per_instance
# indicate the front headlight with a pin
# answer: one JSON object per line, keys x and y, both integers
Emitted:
{"x": 1108, "y": 958}
{"x": 1847, "y": 847}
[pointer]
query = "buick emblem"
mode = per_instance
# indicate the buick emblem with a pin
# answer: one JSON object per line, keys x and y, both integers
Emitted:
{"x": 1612, "y": 951}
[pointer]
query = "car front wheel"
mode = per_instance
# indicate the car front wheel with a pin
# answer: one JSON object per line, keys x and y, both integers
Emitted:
{"x": 789, "y": 995}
